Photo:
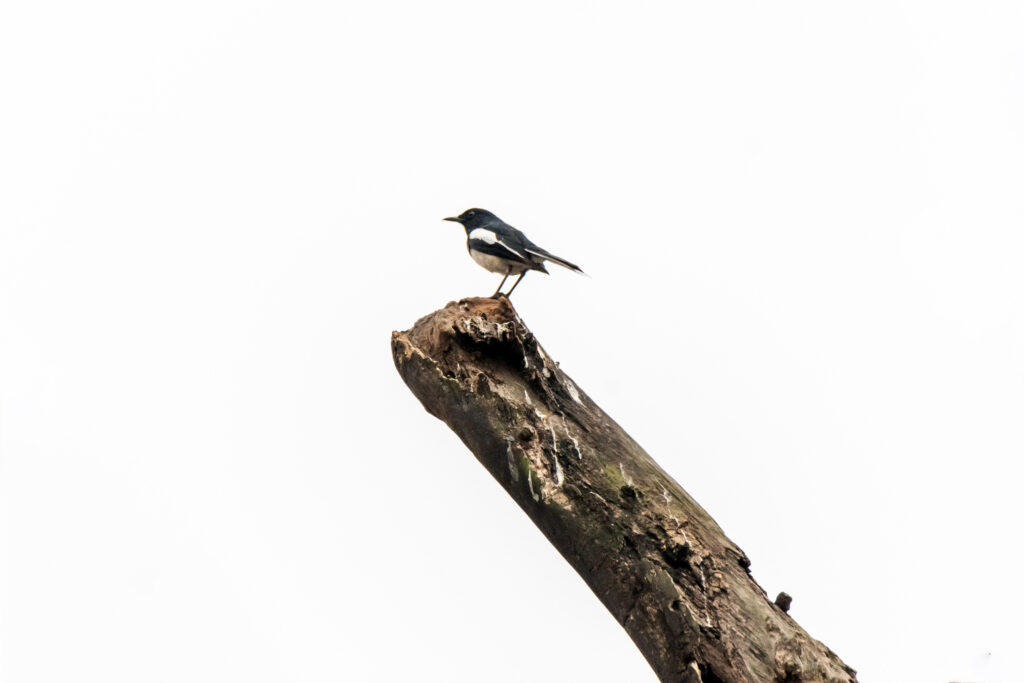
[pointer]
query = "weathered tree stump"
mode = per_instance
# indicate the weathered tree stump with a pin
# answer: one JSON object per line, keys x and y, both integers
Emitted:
{"x": 664, "y": 569}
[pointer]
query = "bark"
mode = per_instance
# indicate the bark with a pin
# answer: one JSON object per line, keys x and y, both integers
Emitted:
{"x": 664, "y": 569}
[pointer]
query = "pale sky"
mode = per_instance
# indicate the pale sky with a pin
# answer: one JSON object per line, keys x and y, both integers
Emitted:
{"x": 803, "y": 226}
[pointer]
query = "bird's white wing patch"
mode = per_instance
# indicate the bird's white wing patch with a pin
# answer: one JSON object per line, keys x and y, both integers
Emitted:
{"x": 484, "y": 235}
{"x": 490, "y": 237}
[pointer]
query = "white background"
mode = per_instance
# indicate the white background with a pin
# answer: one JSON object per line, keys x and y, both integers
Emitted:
{"x": 803, "y": 226}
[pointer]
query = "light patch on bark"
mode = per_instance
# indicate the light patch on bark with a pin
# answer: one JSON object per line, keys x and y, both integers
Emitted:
{"x": 665, "y": 495}
{"x": 576, "y": 445}
{"x": 573, "y": 391}
{"x": 529, "y": 480}
{"x": 512, "y": 471}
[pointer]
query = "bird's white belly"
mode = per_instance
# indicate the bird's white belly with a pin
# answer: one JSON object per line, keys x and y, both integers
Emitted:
{"x": 496, "y": 264}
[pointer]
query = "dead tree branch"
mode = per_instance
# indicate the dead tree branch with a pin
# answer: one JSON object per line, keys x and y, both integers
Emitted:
{"x": 664, "y": 569}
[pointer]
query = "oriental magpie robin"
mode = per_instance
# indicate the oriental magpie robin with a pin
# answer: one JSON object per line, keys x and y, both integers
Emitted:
{"x": 500, "y": 248}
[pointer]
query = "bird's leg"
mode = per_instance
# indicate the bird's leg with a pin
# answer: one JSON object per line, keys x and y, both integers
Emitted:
{"x": 516, "y": 284}
{"x": 497, "y": 292}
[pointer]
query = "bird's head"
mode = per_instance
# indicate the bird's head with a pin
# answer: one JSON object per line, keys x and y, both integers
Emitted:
{"x": 474, "y": 218}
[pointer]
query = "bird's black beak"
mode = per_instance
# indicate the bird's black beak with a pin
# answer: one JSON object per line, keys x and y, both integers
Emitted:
{"x": 453, "y": 219}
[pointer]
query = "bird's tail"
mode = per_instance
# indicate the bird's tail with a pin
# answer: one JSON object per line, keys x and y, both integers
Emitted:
{"x": 556, "y": 259}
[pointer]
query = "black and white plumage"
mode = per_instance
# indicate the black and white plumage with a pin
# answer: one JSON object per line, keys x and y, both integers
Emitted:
{"x": 500, "y": 248}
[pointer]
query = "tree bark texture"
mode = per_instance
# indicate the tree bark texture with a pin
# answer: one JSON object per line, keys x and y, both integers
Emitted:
{"x": 664, "y": 569}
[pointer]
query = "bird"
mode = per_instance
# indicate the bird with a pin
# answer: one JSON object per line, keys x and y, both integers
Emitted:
{"x": 498, "y": 247}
